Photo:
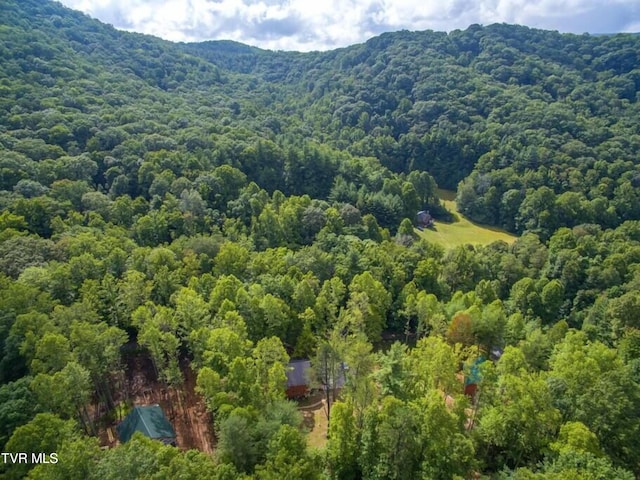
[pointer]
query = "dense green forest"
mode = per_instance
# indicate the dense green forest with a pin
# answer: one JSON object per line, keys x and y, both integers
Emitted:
{"x": 233, "y": 208}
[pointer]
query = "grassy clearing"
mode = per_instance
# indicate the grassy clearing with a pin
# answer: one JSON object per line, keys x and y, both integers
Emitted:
{"x": 317, "y": 437}
{"x": 462, "y": 230}
{"x": 315, "y": 419}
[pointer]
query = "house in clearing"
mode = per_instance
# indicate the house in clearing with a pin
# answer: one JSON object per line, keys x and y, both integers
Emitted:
{"x": 298, "y": 378}
{"x": 424, "y": 220}
{"x": 148, "y": 420}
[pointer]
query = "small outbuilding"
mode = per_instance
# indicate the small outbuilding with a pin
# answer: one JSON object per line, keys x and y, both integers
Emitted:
{"x": 150, "y": 421}
{"x": 472, "y": 379}
{"x": 424, "y": 219}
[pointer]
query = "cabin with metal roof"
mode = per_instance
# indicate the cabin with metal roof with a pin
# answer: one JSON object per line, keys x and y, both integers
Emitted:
{"x": 298, "y": 378}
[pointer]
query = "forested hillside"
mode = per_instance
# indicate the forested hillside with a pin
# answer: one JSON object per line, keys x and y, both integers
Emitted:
{"x": 219, "y": 210}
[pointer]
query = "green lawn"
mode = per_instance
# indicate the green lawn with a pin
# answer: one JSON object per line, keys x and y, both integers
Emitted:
{"x": 462, "y": 230}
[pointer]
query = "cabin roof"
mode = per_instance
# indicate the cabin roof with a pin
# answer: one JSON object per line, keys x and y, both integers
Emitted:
{"x": 297, "y": 373}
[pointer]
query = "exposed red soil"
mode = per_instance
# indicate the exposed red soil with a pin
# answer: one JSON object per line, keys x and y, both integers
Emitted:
{"x": 184, "y": 408}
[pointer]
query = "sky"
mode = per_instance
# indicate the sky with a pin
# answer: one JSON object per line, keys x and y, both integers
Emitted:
{"x": 306, "y": 25}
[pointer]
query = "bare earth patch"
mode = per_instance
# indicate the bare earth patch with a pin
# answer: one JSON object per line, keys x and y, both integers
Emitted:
{"x": 184, "y": 408}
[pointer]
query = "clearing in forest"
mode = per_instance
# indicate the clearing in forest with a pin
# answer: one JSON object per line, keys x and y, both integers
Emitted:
{"x": 315, "y": 420}
{"x": 461, "y": 230}
{"x": 184, "y": 408}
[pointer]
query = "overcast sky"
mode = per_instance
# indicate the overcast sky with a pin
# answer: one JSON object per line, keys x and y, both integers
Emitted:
{"x": 326, "y": 24}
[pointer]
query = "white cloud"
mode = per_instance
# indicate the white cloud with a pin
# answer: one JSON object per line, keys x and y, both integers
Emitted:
{"x": 325, "y": 24}
{"x": 633, "y": 27}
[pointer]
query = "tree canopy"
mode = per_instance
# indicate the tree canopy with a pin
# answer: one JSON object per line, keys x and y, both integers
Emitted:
{"x": 231, "y": 208}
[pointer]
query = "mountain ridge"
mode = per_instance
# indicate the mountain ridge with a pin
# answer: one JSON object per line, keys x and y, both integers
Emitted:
{"x": 482, "y": 105}
{"x": 178, "y": 226}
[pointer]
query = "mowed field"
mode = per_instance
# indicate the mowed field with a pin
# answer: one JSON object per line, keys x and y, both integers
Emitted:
{"x": 462, "y": 230}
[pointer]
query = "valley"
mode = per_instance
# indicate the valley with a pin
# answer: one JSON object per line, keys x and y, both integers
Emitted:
{"x": 181, "y": 225}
